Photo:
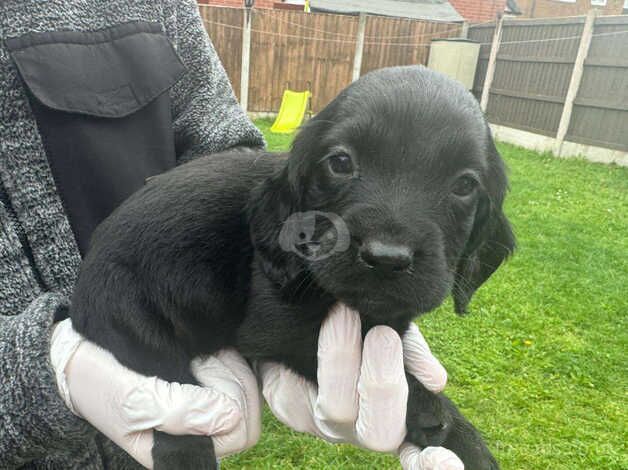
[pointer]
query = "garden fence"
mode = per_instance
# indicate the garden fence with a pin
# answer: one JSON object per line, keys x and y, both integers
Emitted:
{"x": 315, "y": 51}
{"x": 562, "y": 78}
{"x": 565, "y": 78}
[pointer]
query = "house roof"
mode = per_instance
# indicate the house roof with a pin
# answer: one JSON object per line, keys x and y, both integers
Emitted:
{"x": 435, "y": 10}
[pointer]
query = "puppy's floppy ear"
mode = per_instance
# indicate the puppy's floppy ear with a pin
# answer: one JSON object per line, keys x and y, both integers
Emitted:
{"x": 270, "y": 205}
{"x": 491, "y": 240}
{"x": 283, "y": 195}
{"x": 307, "y": 145}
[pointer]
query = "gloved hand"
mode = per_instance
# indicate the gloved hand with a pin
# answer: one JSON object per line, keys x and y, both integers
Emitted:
{"x": 362, "y": 389}
{"x": 126, "y": 406}
{"x": 430, "y": 458}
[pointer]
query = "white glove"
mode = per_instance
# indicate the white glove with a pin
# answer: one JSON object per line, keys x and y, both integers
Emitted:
{"x": 430, "y": 458}
{"x": 126, "y": 406}
{"x": 362, "y": 389}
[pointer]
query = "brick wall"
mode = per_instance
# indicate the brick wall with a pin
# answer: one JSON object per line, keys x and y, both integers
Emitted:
{"x": 478, "y": 11}
{"x": 237, "y": 3}
{"x": 550, "y": 8}
{"x": 474, "y": 11}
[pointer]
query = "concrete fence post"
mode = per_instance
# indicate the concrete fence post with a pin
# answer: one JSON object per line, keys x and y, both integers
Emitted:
{"x": 359, "y": 47}
{"x": 464, "y": 31}
{"x": 492, "y": 59}
{"x": 246, "y": 59}
{"x": 576, "y": 78}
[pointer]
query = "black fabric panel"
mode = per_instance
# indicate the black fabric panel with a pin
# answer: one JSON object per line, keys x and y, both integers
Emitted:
{"x": 108, "y": 73}
{"x": 102, "y": 108}
{"x": 98, "y": 162}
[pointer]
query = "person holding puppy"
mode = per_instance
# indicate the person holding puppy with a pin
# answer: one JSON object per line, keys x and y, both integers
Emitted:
{"x": 97, "y": 97}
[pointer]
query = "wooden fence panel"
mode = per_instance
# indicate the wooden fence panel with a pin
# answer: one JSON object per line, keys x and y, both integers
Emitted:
{"x": 224, "y": 26}
{"x": 533, "y": 71}
{"x": 300, "y": 51}
{"x": 532, "y": 74}
{"x": 313, "y": 50}
{"x": 600, "y": 114}
{"x": 400, "y": 41}
{"x": 484, "y": 35}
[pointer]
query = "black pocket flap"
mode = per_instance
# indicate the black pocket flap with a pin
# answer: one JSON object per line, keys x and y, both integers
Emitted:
{"x": 109, "y": 73}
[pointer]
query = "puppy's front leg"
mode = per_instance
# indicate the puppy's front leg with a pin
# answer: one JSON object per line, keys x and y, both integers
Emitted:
{"x": 183, "y": 452}
{"x": 433, "y": 420}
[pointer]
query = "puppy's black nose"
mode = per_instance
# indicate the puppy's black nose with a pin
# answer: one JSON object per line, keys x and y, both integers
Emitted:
{"x": 386, "y": 257}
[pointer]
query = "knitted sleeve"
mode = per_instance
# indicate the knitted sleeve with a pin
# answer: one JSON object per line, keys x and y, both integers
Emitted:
{"x": 34, "y": 420}
{"x": 207, "y": 117}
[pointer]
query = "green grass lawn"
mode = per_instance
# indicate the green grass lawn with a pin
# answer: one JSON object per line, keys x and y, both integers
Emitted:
{"x": 540, "y": 363}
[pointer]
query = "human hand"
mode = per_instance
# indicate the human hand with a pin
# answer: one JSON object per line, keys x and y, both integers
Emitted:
{"x": 362, "y": 390}
{"x": 126, "y": 406}
{"x": 430, "y": 458}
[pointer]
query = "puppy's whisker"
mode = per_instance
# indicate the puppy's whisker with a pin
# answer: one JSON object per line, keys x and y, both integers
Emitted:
{"x": 501, "y": 245}
{"x": 461, "y": 281}
{"x": 478, "y": 261}
{"x": 309, "y": 280}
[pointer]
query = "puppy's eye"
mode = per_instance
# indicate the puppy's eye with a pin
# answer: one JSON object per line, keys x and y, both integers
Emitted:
{"x": 465, "y": 186}
{"x": 340, "y": 165}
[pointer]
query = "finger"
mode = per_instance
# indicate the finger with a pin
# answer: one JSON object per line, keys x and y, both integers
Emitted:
{"x": 253, "y": 399}
{"x": 339, "y": 358}
{"x": 430, "y": 458}
{"x": 420, "y": 361}
{"x": 126, "y": 406}
{"x": 247, "y": 432}
{"x": 409, "y": 456}
{"x": 178, "y": 408}
{"x": 383, "y": 391}
{"x": 140, "y": 447}
{"x": 116, "y": 399}
{"x": 290, "y": 397}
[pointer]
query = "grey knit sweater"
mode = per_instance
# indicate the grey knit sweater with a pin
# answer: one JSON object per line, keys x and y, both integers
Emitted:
{"x": 39, "y": 258}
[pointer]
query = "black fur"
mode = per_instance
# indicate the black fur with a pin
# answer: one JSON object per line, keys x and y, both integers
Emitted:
{"x": 192, "y": 262}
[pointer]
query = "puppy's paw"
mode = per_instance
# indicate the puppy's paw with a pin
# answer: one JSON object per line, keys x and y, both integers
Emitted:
{"x": 433, "y": 421}
{"x": 428, "y": 430}
{"x": 183, "y": 452}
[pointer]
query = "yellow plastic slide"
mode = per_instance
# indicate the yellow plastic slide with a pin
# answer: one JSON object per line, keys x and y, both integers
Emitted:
{"x": 292, "y": 111}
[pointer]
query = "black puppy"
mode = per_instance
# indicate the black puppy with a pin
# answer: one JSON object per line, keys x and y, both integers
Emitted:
{"x": 390, "y": 199}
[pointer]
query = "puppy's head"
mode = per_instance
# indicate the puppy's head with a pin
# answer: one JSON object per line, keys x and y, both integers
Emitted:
{"x": 391, "y": 198}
